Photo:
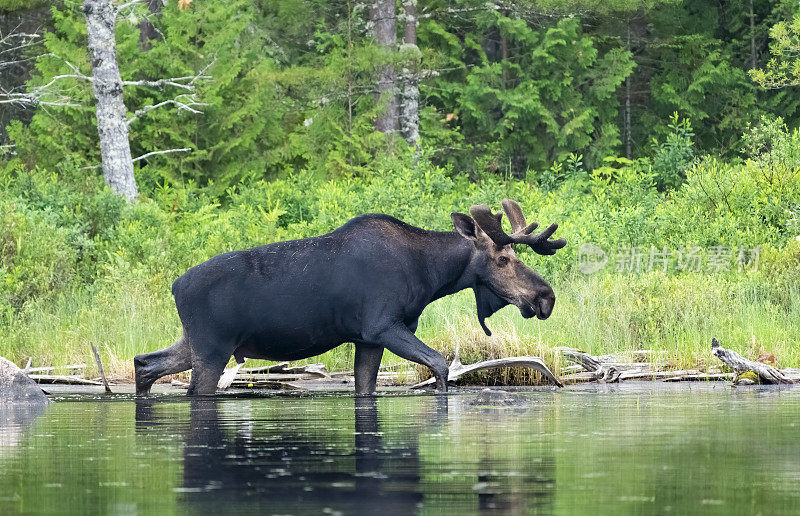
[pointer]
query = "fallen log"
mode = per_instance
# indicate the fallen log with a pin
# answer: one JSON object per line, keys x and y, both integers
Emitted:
{"x": 267, "y": 384}
{"x": 62, "y": 379}
{"x": 44, "y": 369}
{"x": 238, "y": 376}
{"x": 766, "y": 373}
{"x": 583, "y": 377}
{"x": 457, "y": 369}
{"x": 701, "y": 376}
{"x": 283, "y": 368}
{"x": 600, "y": 368}
{"x": 272, "y": 377}
{"x": 395, "y": 367}
{"x": 581, "y": 358}
{"x": 792, "y": 373}
{"x": 274, "y": 368}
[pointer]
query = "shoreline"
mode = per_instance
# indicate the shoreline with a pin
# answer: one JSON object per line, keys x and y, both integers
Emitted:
{"x": 124, "y": 391}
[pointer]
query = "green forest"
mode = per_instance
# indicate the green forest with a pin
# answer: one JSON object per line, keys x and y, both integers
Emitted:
{"x": 661, "y": 135}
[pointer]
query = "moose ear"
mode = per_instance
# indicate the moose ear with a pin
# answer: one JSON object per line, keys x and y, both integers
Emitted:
{"x": 464, "y": 225}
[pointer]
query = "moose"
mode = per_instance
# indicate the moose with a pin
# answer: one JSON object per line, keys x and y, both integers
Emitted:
{"x": 366, "y": 282}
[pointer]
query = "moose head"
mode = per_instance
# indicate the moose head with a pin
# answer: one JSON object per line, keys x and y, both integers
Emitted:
{"x": 500, "y": 278}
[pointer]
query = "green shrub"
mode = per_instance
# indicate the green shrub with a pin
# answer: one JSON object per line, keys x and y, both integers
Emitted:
{"x": 673, "y": 156}
{"x": 35, "y": 257}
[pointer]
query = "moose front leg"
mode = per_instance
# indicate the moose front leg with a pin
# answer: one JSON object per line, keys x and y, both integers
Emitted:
{"x": 367, "y": 363}
{"x": 399, "y": 340}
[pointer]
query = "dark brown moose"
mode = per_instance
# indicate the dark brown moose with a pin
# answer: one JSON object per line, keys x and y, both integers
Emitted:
{"x": 366, "y": 282}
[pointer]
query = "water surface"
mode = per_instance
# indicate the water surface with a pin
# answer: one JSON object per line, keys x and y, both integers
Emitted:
{"x": 642, "y": 448}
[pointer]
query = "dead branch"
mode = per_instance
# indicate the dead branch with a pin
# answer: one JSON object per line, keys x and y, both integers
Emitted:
{"x": 143, "y": 156}
{"x": 181, "y": 105}
{"x": 125, "y": 6}
{"x": 765, "y": 372}
{"x": 166, "y": 82}
{"x": 457, "y": 369}
{"x": 100, "y": 367}
{"x": 186, "y": 82}
{"x": 40, "y": 94}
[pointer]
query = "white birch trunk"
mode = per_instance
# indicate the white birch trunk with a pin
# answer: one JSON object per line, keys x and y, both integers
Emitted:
{"x": 384, "y": 24}
{"x": 112, "y": 126}
{"x": 409, "y": 102}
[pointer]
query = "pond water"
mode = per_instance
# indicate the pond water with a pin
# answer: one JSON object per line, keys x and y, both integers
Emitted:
{"x": 641, "y": 448}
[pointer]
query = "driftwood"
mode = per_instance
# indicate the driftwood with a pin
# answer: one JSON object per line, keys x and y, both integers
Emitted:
{"x": 601, "y": 369}
{"x": 765, "y": 372}
{"x": 64, "y": 379}
{"x": 607, "y": 369}
{"x": 457, "y": 369}
{"x": 258, "y": 384}
{"x": 383, "y": 369}
{"x": 100, "y": 367}
{"x": 266, "y": 384}
{"x": 274, "y": 376}
{"x": 585, "y": 360}
{"x": 46, "y": 369}
{"x": 682, "y": 375}
{"x": 283, "y": 368}
{"x": 34, "y": 373}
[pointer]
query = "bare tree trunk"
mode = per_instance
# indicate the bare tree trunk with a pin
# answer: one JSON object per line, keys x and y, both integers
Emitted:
{"x": 503, "y": 59}
{"x": 409, "y": 106}
{"x": 753, "y": 63}
{"x": 628, "y": 104}
{"x": 112, "y": 126}
{"x": 384, "y": 25}
{"x": 147, "y": 32}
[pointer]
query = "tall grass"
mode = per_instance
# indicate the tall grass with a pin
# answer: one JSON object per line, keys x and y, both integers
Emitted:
{"x": 674, "y": 316}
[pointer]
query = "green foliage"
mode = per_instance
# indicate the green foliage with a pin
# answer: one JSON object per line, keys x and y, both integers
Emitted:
{"x": 555, "y": 98}
{"x": 13, "y": 5}
{"x": 702, "y": 85}
{"x": 770, "y": 143}
{"x": 783, "y": 69}
{"x": 674, "y": 155}
{"x": 508, "y": 90}
{"x": 36, "y": 259}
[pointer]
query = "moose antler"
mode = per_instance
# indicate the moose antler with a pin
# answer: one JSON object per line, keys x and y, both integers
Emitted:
{"x": 492, "y": 225}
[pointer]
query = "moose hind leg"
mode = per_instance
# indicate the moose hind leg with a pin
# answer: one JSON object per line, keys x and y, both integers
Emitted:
{"x": 150, "y": 367}
{"x": 399, "y": 340}
{"x": 206, "y": 372}
{"x": 367, "y": 363}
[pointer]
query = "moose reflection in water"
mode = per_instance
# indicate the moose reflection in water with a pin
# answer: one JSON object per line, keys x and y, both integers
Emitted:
{"x": 234, "y": 458}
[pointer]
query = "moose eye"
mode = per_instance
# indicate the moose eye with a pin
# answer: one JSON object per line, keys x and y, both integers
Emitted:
{"x": 502, "y": 261}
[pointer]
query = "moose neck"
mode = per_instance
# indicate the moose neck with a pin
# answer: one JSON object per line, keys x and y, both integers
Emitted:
{"x": 447, "y": 259}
